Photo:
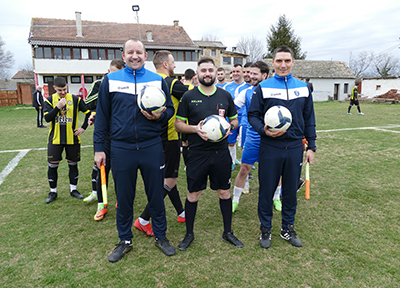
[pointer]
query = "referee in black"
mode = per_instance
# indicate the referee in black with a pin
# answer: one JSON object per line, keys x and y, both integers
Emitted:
{"x": 206, "y": 159}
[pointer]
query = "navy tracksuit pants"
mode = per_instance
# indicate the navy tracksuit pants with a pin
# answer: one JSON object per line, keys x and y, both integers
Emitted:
{"x": 274, "y": 162}
{"x": 125, "y": 164}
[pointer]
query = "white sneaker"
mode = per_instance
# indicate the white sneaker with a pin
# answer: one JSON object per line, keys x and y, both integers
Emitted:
{"x": 90, "y": 198}
{"x": 246, "y": 191}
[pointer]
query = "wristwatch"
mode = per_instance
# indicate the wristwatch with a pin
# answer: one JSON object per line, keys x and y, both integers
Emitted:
{"x": 232, "y": 127}
{"x": 312, "y": 148}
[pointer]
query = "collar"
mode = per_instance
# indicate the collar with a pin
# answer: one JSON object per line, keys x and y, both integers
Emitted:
{"x": 162, "y": 75}
{"x": 140, "y": 71}
{"x": 204, "y": 93}
{"x": 289, "y": 76}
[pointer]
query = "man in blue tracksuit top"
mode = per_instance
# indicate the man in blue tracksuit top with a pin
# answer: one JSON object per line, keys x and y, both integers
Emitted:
{"x": 281, "y": 152}
{"x": 135, "y": 144}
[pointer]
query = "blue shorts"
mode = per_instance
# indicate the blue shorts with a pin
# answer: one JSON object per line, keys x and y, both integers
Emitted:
{"x": 232, "y": 137}
{"x": 250, "y": 152}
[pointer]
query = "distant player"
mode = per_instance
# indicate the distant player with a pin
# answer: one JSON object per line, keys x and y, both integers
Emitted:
{"x": 354, "y": 100}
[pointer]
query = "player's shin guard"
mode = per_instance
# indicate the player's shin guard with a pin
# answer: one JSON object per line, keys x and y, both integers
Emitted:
{"x": 73, "y": 173}
{"x": 226, "y": 210}
{"x": 190, "y": 211}
{"x": 173, "y": 195}
{"x": 52, "y": 175}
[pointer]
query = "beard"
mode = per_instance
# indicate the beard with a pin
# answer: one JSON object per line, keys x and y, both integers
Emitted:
{"x": 209, "y": 81}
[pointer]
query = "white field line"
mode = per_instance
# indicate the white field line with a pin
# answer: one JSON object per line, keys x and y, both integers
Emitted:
{"x": 22, "y": 152}
{"x": 14, "y": 162}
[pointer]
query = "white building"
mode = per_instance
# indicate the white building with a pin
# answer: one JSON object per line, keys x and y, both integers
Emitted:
{"x": 81, "y": 51}
{"x": 372, "y": 87}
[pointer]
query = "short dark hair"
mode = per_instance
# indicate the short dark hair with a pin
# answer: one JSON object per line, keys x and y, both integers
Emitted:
{"x": 237, "y": 65}
{"x": 262, "y": 66}
{"x": 189, "y": 74}
{"x": 160, "y": 57}
{"x": 282, "y": 48}
{"x": 205, "y": 60}
{"x": 221, "y": 69}
{"x": 248, "y": 64}
{"x": 59, "y": 82}
{"x": 118, "y": 63}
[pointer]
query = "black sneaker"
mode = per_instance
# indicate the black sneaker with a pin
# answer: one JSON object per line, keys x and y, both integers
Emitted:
{"x": 165, "y": 246}
{"x": 228, "y": 236}
{"x": 265, "y": 238}
{"x": 123, "y": 247}
{"x": 301, "y": 184}
{"x": 291, "y": 236}
{"x": 189, "y": 238}
{"x": 52, "y": 196}
{"x": 76, "y": 194}
{"x": 251, "y": 176}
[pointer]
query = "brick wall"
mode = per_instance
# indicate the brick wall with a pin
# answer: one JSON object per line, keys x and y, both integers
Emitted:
{"x": 8, "y": 98}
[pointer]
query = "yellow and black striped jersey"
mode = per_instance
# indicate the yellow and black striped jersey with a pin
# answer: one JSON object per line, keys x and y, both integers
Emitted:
{"x": 64, "y": 121}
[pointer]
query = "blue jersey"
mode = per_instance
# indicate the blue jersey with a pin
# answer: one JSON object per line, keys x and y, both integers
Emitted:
{"x": 221, "y": 85}
{"x": 235, "y": 89}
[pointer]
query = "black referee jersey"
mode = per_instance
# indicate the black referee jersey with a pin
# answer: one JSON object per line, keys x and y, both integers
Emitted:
{"x": 195, "y": 105}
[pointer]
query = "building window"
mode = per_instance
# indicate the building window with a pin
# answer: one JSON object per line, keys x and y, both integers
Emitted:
{"x": 66, "y": 53}
{"x": 188, "y": 56}
{"x": 57, "y": 53}
{"x": 48, "y": 79}
{"x": 226, "y": 60}
{"x": 94, "y": 54}
{"x": 213, "y": 52}
{"x": 75, "y": 79}
{"x": 85, "y": 53}
{"x": 180, "y": 56}
{"x": 110, "y": 54}
{"x": 102, "y": 54}
{"x": 47, "y": 52}
{"x": 378, "y": 87}
{"x": 237, "y": 61}
{"x": 194, "y": 56}
{"x": 39, "y": 52}
{"x": 76, "y": 52}
{"x": 346, "y": 88}
{"x": 201, "y": 53}
{"x": 118, "y": 54}
{"x": 150, "y": 55}
{"x": 88, "y": 79}
{"x": 99, "y": 77}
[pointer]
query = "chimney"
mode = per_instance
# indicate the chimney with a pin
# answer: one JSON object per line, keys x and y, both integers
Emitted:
{"x": 233, "y": 49}
{"x": 78, "y": 24}
{"x": 149, "y": 34}
{"x": 176, "y": 23}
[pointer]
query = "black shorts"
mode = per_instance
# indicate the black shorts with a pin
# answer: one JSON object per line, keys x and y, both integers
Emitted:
{"x": 54, "y": 152}
{"x": 214, "y": 164}
{"x": 354, "y": 102}
{"x": 172, "y": 152}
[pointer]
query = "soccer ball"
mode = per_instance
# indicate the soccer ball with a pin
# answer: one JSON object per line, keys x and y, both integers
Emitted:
{"x": 151, "y": 98}
{"x": 278, "y": 118}
{"x": 215, "y": 126}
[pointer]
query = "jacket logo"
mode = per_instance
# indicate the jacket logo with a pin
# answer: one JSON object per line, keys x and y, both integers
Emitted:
{"x": 297, "y": 93}
{"x": 123, "y": 88}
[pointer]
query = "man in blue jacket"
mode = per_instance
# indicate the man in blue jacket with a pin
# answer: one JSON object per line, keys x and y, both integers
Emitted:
{"x": 135, "y": 144}
{"x": 281, "y": 152}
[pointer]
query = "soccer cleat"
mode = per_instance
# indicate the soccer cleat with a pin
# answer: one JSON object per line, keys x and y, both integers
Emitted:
{"x": 100, "y": 214}
{"x": 348, "y": 113}
{"x": 181, "y": 219}
{"x": 234, "y": 206}
{"x": 122, "y": 248}
{"x": 90, "y": 198}
{"x": 52, "y": 196}
{"x": 189, "y": 238}
{"x": 278, "y": 205}
{"x": 291, "y": 236}
{"x": 265, "y": 238}
{"x": 229, "y": 237}
{"x": 147, "y": 229}
{"x": 360, "y": 113}
{"x": 116, "y": 205}
{"x": 246, "y": 190}
{"x": 301, "y": 184}
{"x": 76, "y": 194}
{"x": 165, "y": 246}
{"x": 233, "y": 166}
{"x": 237, "y": 162}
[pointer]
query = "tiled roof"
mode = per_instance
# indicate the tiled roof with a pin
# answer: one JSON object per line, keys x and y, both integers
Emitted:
{"x": 319, "y": 69}
{"x": 210, "y": 44}
{"x": 44, "y": 31}
{"x": 23, "y": 74}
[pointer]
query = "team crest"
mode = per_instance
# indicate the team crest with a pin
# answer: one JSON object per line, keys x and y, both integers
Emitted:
{"x": 221, "y": 112}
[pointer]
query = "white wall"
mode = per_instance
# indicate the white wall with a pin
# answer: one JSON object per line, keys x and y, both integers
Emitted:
{"x": 325, "y": 87}
{"x": 370, "y": 89}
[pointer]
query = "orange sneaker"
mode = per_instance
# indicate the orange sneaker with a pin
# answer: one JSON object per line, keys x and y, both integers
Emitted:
{"x": 181, "y": 219}
{"x": 116, "y": 205}
{"x": 147, "y": 230}
{"x": 101, "y": 213}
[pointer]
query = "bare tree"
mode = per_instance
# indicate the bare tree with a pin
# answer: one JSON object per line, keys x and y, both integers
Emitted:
{"x": 6, "y": 60}
{"x": 252, "y": 47}
{"x": 386, "y": 65}
{"x": 359, "y": 64}
{"x": 209, "y": 37}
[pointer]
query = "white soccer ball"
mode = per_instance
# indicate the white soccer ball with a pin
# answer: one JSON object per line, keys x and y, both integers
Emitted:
{"x": 278, "y": 118}
{"x": 215, "y": 126}
{"x": 151, "y": 98}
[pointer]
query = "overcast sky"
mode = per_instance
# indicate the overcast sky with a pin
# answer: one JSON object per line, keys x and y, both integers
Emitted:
{"x": 328, "y": 31}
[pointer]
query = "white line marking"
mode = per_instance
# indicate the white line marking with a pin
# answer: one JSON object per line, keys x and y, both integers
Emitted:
{"x": 12, "y": 164}
{"x": 364, "y": 128}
